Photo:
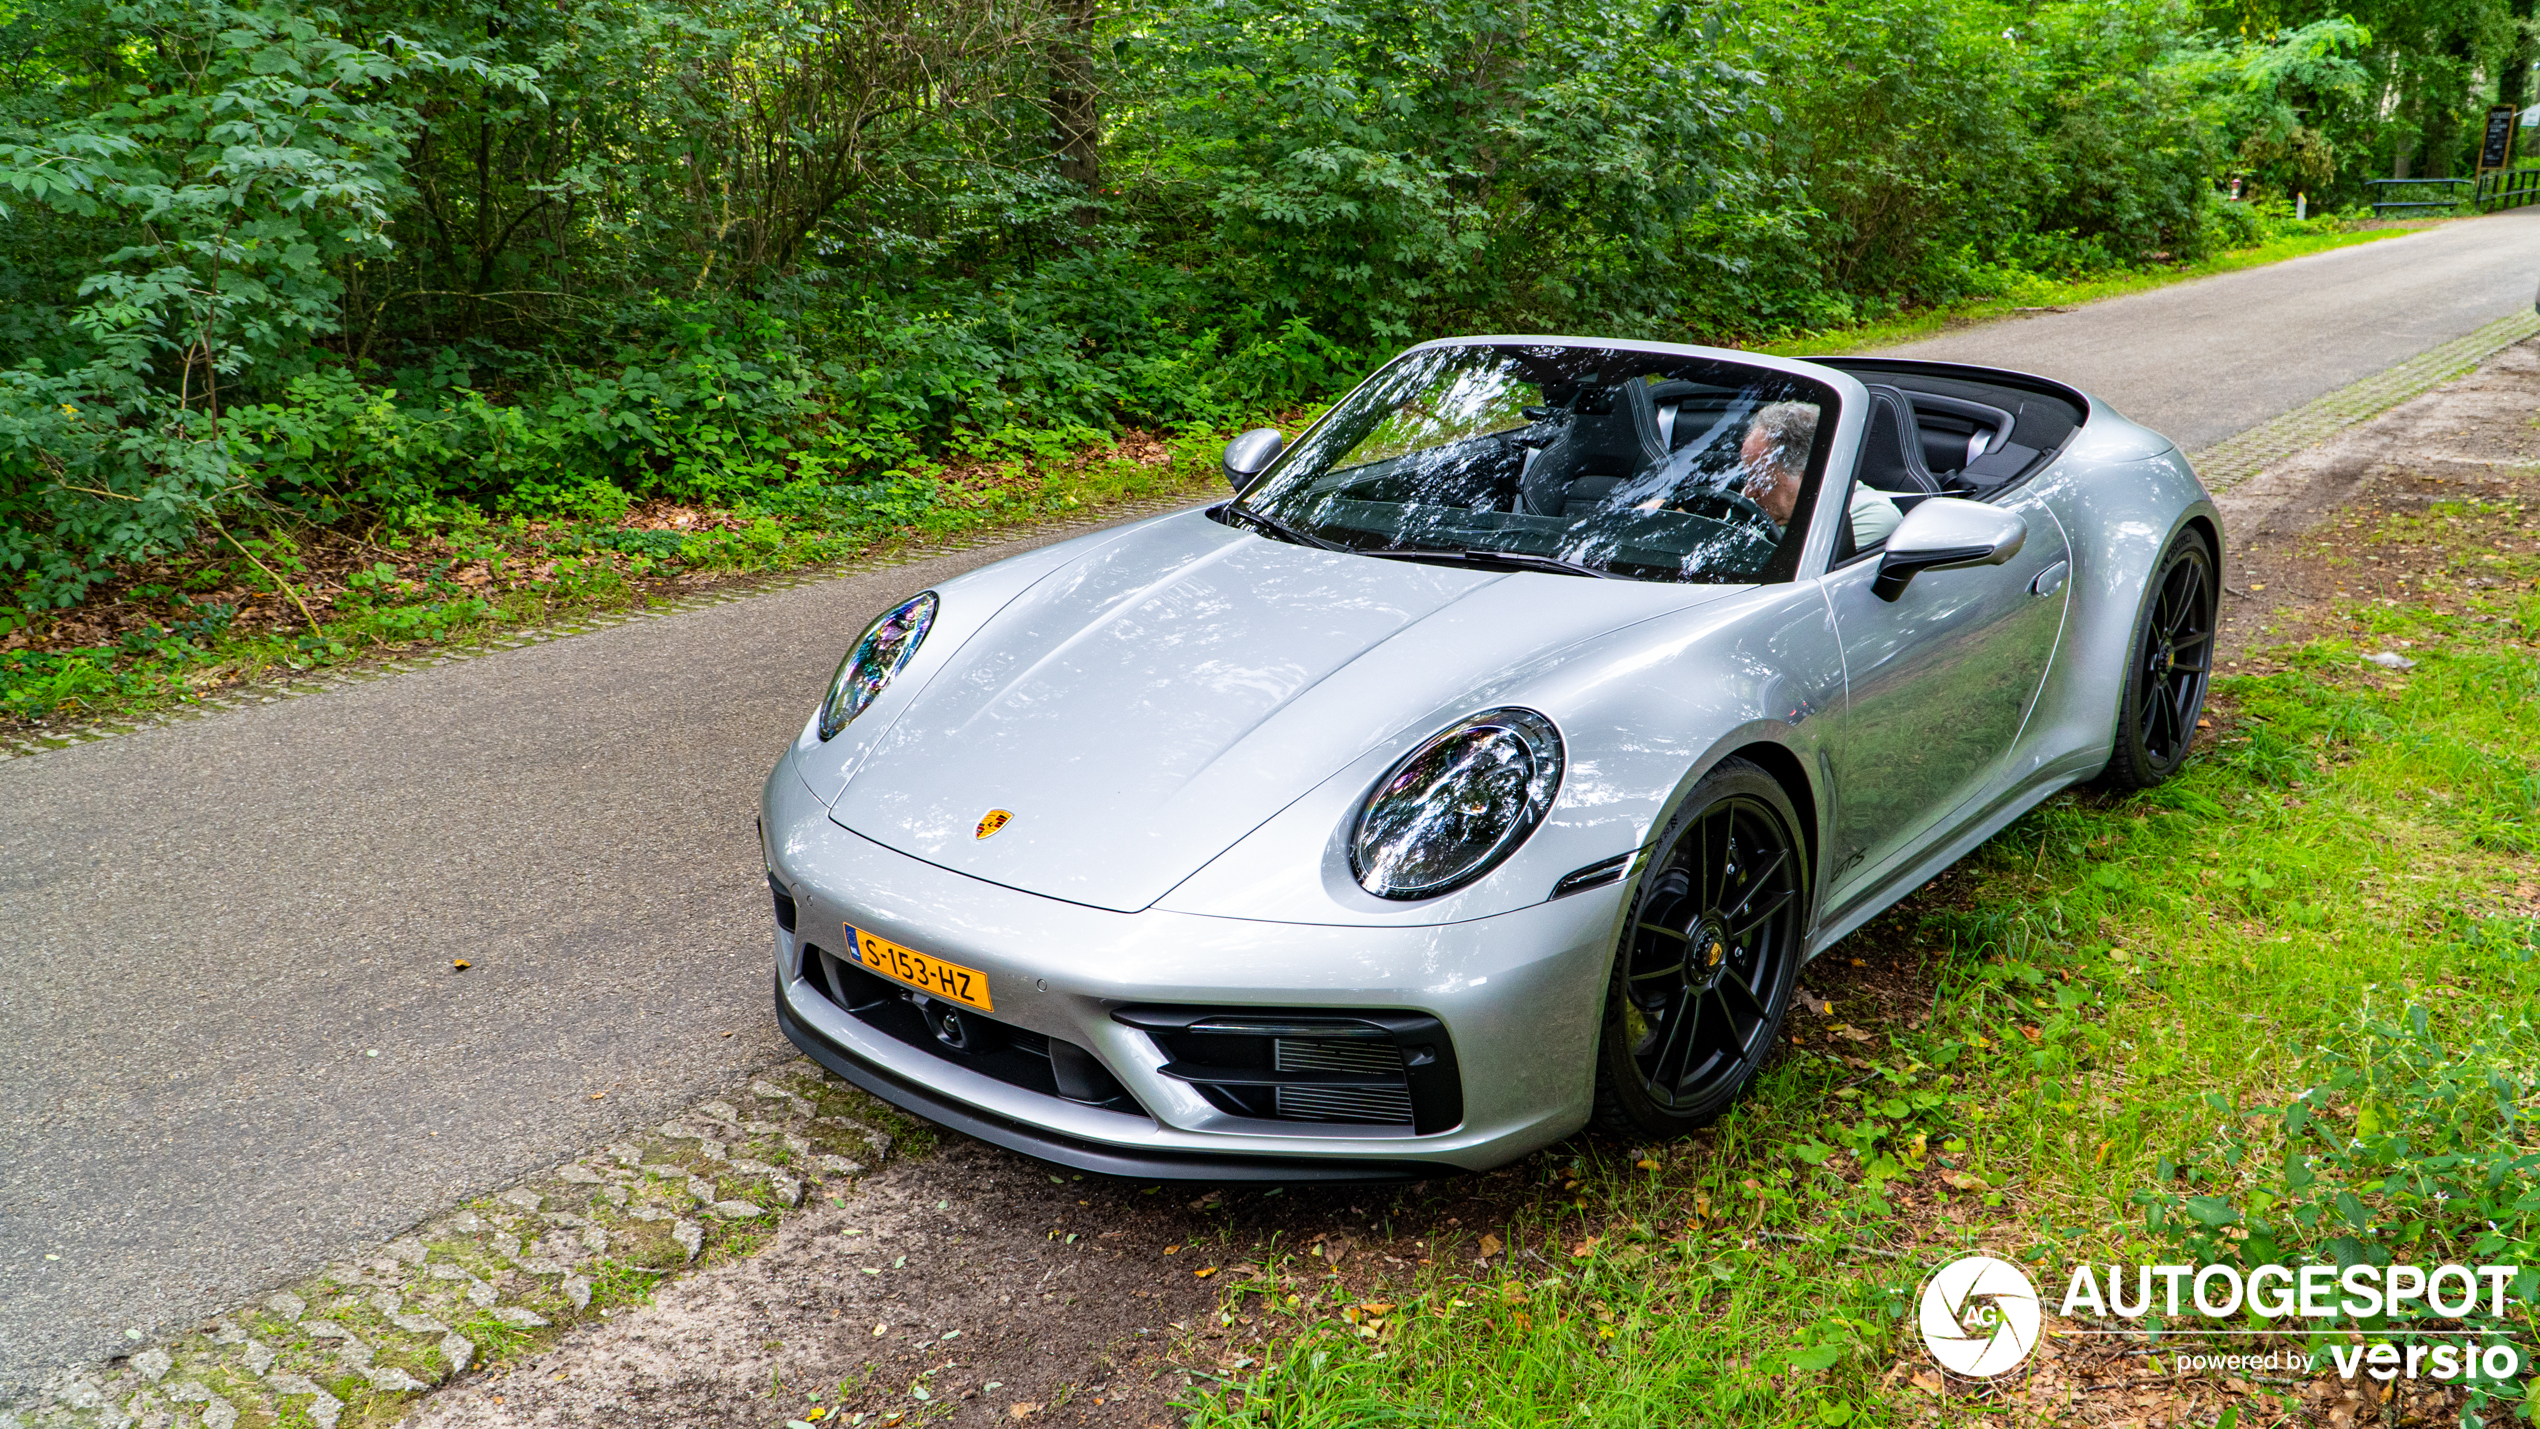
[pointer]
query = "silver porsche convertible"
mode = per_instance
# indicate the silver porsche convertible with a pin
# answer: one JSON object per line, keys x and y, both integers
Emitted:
{"x": 1486, "y": 768}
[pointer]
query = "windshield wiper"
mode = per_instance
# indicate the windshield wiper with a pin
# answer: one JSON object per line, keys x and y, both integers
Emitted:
{"x": 1273, "y": 526}
{"x": 1517, "y": 560}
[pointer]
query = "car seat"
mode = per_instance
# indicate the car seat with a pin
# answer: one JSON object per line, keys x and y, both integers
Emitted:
{"x": 1611, "y": 436}
{"x": 1892, "y": 450}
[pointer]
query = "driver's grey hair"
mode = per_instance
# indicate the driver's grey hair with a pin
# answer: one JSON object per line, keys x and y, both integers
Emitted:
{"x": 1790, "y": 429}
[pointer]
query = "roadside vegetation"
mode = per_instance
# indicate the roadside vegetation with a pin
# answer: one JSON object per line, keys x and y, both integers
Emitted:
{"x": 310, "y": 314}
{"x": 2277, "y": 1010}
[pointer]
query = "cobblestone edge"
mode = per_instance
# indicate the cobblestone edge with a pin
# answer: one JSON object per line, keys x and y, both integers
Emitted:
{"x": 515, "y": 637}
{"x": 497, "y": 1277}
{"x": 2235, "y": 459}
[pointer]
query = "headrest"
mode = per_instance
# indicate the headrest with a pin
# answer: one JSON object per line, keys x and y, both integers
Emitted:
{"x": 1892, "y": 446}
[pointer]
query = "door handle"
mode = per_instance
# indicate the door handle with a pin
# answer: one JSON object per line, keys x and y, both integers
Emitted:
{"x": 2051, "y": 579}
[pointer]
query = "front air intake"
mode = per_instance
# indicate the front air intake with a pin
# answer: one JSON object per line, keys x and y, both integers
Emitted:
{"x": 1371, "y": 1068}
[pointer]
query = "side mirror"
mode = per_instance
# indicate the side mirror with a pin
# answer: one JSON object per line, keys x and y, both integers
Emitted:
{"x": 1249, "y": 455}
{"x": 1945, "y": 533}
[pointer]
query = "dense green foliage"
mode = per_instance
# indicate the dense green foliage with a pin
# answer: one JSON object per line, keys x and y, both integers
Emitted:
{"x": 285, "y": 266}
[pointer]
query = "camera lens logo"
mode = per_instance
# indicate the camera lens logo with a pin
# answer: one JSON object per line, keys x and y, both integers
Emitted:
{"x": 1979, "y": 1316}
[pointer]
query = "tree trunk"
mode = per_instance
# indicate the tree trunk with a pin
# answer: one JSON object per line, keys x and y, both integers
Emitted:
{"x": 1075, "y": 109}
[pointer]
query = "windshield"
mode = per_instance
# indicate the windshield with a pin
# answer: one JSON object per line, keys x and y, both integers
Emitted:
{"x": 1631, "y": 464}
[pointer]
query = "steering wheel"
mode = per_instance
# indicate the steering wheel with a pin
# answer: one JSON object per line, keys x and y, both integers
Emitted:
{"x": 1729, "y": 506}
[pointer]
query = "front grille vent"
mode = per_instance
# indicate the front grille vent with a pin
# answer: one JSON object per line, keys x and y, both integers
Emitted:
{"x": 1375, "y": 1068}
{"x": 1378, "y": 1104}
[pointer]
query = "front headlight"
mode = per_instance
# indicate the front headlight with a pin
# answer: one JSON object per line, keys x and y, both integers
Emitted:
{"x": 1457, "y": 805}
{"x": 885, "y": 647}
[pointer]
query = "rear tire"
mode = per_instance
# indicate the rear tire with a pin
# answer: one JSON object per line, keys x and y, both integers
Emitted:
{"x": 2169, "y": 664}
{"x": 1705, "y": 967}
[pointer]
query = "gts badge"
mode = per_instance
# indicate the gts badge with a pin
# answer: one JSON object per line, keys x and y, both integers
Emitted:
{"x": 995, "y": 820}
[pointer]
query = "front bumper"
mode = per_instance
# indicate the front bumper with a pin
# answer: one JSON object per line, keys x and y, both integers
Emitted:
{"x": 1520, "y": 995}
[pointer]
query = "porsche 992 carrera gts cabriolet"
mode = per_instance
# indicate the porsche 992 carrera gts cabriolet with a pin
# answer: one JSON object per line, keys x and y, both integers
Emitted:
{"x": 1484, "y": 769}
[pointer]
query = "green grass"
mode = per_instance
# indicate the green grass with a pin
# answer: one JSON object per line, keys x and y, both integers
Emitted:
{"x": 2126, "y": 999}
{"x": 2038, "y": 292}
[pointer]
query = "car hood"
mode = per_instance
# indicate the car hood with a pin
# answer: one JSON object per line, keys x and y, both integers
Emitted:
{"x": 1140, "y": 709}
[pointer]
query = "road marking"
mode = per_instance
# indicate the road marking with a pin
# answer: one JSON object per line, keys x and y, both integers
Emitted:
{"x": 2235, "y": 459}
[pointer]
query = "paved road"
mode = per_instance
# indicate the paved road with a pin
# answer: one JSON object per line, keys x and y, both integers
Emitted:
{"x": 207, "y": 930}
{"x": 2204, "y": 360}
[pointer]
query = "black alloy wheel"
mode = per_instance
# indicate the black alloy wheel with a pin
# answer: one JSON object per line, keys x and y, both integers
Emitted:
{"x": 2172, "y": 664}
{"x": 1707, "y": 962}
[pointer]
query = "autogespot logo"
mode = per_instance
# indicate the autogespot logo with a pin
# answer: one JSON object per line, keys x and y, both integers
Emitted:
{"x": 1980, "y": 1316}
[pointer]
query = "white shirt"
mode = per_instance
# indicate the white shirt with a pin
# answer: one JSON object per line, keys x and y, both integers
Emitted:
{"x": 1873, "y": 516}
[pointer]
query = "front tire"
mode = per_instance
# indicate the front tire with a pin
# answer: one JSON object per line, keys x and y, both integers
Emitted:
{"x": 1706, "y": 965}
{"x": 2169, "y": 664}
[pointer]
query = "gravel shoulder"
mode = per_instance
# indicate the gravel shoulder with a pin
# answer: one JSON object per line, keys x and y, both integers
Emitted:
{"x": 2291, "y": 573}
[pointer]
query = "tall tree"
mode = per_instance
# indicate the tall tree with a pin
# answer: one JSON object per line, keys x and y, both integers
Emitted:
{"x": 1075, "y": 105}
{"x": 2513, "y": 83}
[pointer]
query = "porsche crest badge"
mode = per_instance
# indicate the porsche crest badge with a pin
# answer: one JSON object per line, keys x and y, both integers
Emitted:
{"x": 996, "y": 819}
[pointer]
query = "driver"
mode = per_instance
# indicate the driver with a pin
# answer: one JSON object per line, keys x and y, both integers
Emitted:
{"x": 1774, "y": 457}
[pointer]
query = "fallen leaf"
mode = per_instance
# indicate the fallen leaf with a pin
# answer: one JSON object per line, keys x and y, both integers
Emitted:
{"x": 1926, "y": 1381}
{"x": 1023, "y": 1409}
{"x": 2031, "y": 1033}
{"x": 460, "y": 965}
{"x": 1960, "y": 1180}
{"x": 1583, "y": 1247}
{"x": 1812, "y": 1002}
{"x": 1376, "y": 1307}
{"x": 1490, "y": 1245}
{"x": 1646, "y": 1165}
{"x": 880, "y": 1330}
{"x": 816, "y": 1415}
{"x": 1205, "y": 1271}
{"x": 1335, "y": 1250}
{"x": 595, "y": 1096}
{"x": 1168, "y": 1250}
{"x": 1853, "y": 1034}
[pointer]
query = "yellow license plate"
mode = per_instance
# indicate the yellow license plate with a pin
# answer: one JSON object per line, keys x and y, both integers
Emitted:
{"x": 967, "y": 986}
